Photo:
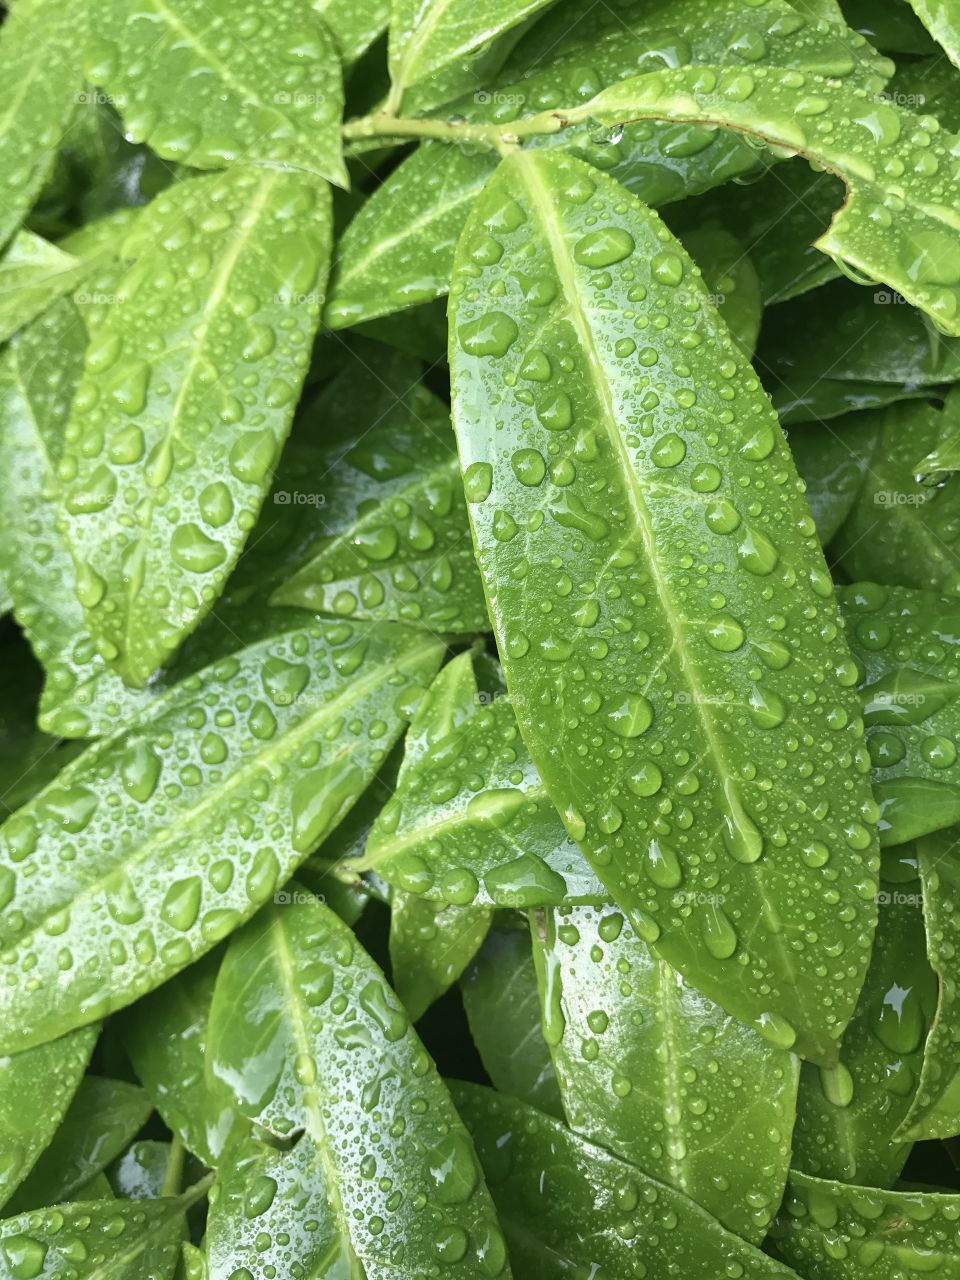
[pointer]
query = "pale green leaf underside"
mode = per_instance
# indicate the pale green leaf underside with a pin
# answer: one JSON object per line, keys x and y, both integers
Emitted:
{"x": 355, "y": 26}
{"x": 659, "y": 691}
{"x": 660, "y": 1075}
{"x": 156, "y": 843}
{"x": 297, "y": 1000}
{"x": 274, "y": 97}
{"x": 898, "y": 225}
{"x": 836, "y": 1232}
{"x": 942, "y": 20}
{"x": 33, "y": 274}
{"x": 430, "y": 946}
{"x": 189, "y": 415}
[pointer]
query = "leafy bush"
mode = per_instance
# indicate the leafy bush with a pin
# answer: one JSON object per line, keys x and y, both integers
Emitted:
{"x": 504, "y": 642}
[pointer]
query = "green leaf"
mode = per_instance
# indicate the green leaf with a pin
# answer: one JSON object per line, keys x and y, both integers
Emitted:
{"x": 942, "y": 19}
{"x": 35, "y": 1092}
{"x": 429, "y": 37}
{"x": 139, "y": 1173}
{"x": 380, "y": 527}
{"x": 890, "y": 27}
{"x": 930, "y": 83}
{"x": 101, "y": 1120}
{"x": 659, "y": 1075}
{"x": 849, "y": 133}
{"x": 165, "y": 1036}
{"x": 398, "y": 250}
{"x": 847, "y": 1115}
{"x": 430, "y": 946}
{"x": 906, "y": 643}
{"x": 28, "y": 758}
{"x": 639, "y": 692}
{"x": 731, "y": 282}
{"x": 152, "y": 845}
{"x": 122, "y": 1240}
{"x": 38, "y": 97}
{"x": 165, "y": 419}
{"x": 568, "y": 1207}
{"x": 502, "y": 1003}
{"x": 208, "y": 86}
{"x": 936, "y": 1107}
{"x": 355, "y": 26}
{"x": 39, "y": 373}
{"x": 33, "y": 274}
{"x": 898, "y": 531}
{"x": 829, "y": 1231}
{"x": 284, "y": 1039}
{"x": 943, "y": 460}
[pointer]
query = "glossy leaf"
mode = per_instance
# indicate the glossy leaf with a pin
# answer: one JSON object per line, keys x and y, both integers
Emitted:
{"x": 428, "y": 37}
{"x": 387, "y": 538}
{"x": 847, "y": 1116}
{"x": 139, "y": 1173}
{"x": 28, "y": 758}
{"x": 829, "y": 1231}
{"x": 354, "y": 26}
{"x": 502, "y": 1003}
{"x": 846, "y": 131}
{"x": 165, "y": 1036}
{"x": 944, "y": 459}
{"x": 101, "y": 1120}
{"x": 35, "y": 1091}
{"x": 942, "y": 19}
{"x": 936, "y": 1108}
{"x": 906, "y": 642}
{"x": 33, "y": 274}
{"x": 39, "y": 80}
{"x": 276, "y": 97}
{"x": 283, "y": 1043}
{"x": 153, "y": 844}
{"x": 659, "y": 1075}
{"x": 122, "y": 1240}
{"x": 240, "y": 258}
{"x": 39, "y": 374}
{"x": 568, "y": 1207}
{"x": 430, "y": 946}
{"x": 731, "y": 282}
{"x": 640, "y": 507}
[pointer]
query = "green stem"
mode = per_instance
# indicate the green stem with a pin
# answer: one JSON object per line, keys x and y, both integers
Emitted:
{"x": 497, "y": 137}
{"x": 173, "y": 1175}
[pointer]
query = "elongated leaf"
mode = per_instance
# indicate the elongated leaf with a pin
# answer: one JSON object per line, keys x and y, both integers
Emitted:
{"x": 898, "y": 531}
{"x": 502, "y": 1003}
{"x": 355, "y": 26}
{"x": 28, "y": 758}
{"x": 930, "y": 83}
{"x": 430, "y": 947}
{"x": 39, "y": 80}
{"x": 122, "y": 1240}
{"x": 240, "y": 259}
{"x": 944, "y": 459}
{"x": 386, "y": 536}
{"x": 659, "y": 1075}
{"x": 431, "y": 36}
{"x": 847, "y": 1116}
{"x": 39, "y": 374}
{"x": 139, "y": 1173}
{"x": 936, "y": 1108}
{"x": 275, "y": 98}
{"x": 639, "y": 691}
{"x": 890, "y": 27}
{"x": 569, "y": 1208}
{"x": 829, "y": 1231}
{"x": 849, "y": 133}
{"x": 731, "y": 281}
{"x": 100, "y": 1122}
{"x": 33, "y": 274}
{"x": 942, "y": 19}
{"x": 165, "y": 1035}
{"x": 154, "y": 844}
{"x": 282, "y": 1043}
{"x": 906, "y": 642}
{"x": 35, "y": 1090}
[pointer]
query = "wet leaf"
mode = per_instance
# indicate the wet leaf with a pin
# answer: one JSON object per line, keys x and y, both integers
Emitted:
{"x": 207, "y": 84}
{"x": 430, "y": 946}
{"x": 658, "y": 1074}
{"x": 941, "y": 19}
{"x": 153, "y": 844}
{"x": 568, "y": 1206}
{"x": 592, "y": 464}
{"x": 283, "y": 1042}
{"x": 355, "y": 26}
{"x": 165, "y": 420}
{"x": 33, "y": 274}
{"x": 139, "y": 1173}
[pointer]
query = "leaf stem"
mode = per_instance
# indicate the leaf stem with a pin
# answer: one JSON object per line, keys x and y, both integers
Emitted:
{"x": 173, "y": 1174}
{"x": 496, "y": 137}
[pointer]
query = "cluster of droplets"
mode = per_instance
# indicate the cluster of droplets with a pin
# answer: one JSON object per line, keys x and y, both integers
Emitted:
{"x": 266, "y": 108}
{"x": 171, "y": 443}
{"x": 683, "y": 616}
{"x": 181, "y": 827}
{"x": 79, "y": 1240}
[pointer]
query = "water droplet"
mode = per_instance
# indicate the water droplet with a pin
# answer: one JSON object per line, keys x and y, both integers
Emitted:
{"x": 604, "y": 247}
